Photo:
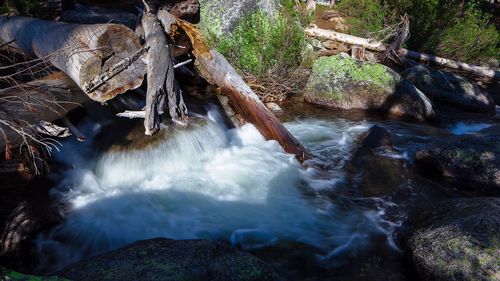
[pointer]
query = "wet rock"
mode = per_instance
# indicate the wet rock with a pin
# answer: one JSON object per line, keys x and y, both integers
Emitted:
{"x": 447, "y": 89}
{"x": 375, "y": 138}
{"x": 460, "y": 240}
{"x": 165, "y": 259}
{"x": 372, "y": 173}
{"x": 344, "y": 83}
{"x": 23, "y": 215}
{"x": 470, "y": 162}
{"x": 220, "y": 17}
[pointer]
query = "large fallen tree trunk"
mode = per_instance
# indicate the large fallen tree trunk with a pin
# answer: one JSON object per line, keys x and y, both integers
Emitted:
{"x": 103, "y": 59}
{"x": 382, "y": 47}
{"x": 242, "y": 99}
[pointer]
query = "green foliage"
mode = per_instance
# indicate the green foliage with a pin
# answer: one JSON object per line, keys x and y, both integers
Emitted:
{"x": 21, "y": 7}
{"x": 436, "y": 26}
{"x": 364, "y": 16}
{"x": 30, "y": 8}
{"x": 470, "y": 39}
{"x": 260, "y": 43}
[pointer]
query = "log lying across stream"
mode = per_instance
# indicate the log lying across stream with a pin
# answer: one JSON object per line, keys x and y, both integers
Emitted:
{"x": 89, "y": 54}
{"x": 105, "y": 60}
{"x": 378, "y": 46}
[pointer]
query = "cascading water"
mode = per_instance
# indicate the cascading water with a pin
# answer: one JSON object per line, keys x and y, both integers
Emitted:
{"x": 208, "y": 182}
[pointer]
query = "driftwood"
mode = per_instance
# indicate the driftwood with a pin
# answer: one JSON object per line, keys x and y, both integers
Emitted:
{"x": 242, "y": 99}
{"x": 160, "y": 74}
{"x": 382, "y": 47}
{"x": 83, "y": 52}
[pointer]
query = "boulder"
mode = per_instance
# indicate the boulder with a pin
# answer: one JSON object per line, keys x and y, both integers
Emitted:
{"x": 11, "y": 275}
{"x": 24, "y": 213}
{"x": 371, "y": 173}
{"x": 447, "y": 89}
{"x": 458, "y": 241}
{"x": 220, "y": 17}
{"x": 471, "y": 162}
{"x": 165, "y": 259}
{"x": 341, "y": 82}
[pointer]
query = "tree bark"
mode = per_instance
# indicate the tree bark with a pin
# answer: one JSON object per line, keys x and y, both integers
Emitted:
{"x": 160, "y": 74}
{"x": 382, "y": 47}
{"x": 83, "y": 52}
{"x": 241, "y": 97}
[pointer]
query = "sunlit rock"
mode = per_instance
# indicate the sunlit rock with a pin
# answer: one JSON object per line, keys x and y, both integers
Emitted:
{"x": 460, "y": 240}
{"x": 448, "y": 89}
{"x": 340, "y": 82}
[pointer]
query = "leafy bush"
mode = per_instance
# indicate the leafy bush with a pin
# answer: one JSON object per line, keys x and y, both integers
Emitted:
{"x": 20, "y": 7}
{"x": 259, "y": 43}
{"x": 470, "y": 39}
{"x": 32, "y": 8}
{"x": 436, "y": 26}
{"x": 364, "y": 16}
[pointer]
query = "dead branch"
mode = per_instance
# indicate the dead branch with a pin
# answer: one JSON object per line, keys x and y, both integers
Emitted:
{"x": 402, "y": 52}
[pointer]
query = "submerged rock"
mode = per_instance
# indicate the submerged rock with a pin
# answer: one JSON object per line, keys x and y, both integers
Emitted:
{"x": 165, "y": 259}
{"x": 460, "y": 240}
{"x": 471, "y": 162}
{"x": 344, "y": 83}
{"x": 447, "y": 89}
{"x": 371, "y": 173}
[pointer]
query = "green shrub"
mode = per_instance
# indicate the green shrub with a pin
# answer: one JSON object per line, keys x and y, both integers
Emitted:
{"x": 31, "y": 8}
{"x": 436, "y": 26}
{"x": 259, "y": 43}
{"x": 472, "y": 39}
{"x": 364, "y": 16}
{"x": 21, "y": 7}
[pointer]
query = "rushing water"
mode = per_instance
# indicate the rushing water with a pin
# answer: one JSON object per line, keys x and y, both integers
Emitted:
{"x": 212, "y": 183}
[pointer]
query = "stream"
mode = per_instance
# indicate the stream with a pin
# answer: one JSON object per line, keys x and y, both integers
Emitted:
{"x": 210, "y": 182}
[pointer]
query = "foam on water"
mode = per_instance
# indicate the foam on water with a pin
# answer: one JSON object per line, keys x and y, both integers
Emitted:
{"x": 206, "y": 182}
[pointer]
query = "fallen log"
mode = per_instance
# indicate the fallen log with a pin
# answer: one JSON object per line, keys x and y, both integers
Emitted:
{"x": 83, "y": 52}
{"x": 382, "y": 47}
{"x": 241, "y": 97}
{"x": 160, "y": 74}
{"x": 22, "y": 107}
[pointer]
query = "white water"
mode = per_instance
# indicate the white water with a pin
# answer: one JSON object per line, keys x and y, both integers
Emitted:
{"x": 209, "y": 183}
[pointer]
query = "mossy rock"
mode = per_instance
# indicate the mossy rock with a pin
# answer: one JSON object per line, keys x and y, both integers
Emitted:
{"x": 458, "y": 241}
{"x": 10, "y": 275}
{"x": 341, "y": 82}
{"x": 176, "y": 260}
{"x": 448, "y": 89}
{"x": 470, "y": 162}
